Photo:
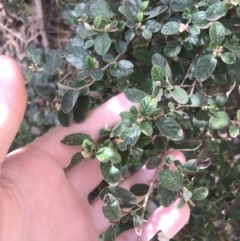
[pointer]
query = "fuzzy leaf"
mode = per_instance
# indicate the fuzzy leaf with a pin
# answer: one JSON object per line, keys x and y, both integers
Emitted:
{"x": 76, "y": 159}
{"x": 45, "y": 90}
{"x": 139, "y": 189}
{"x": 64, "y": 118}
{"x": 153, "y": 162}
{"x": 135, "y": 95}
{"x": 217, "y": 33}
{"x": 216, "y": 11}
{"x": 167, "y": 197}
{"x": 234, "y": 130}
{"x": 147, "y": 106}
{"x": 170, "y": 28}
{"x": 111, "y": 172}
{"x": 219, "y": 120}
{"x": 199, "y": 193}
{"x": 81, "y": 108}
{"x": 109, "y": 235}
{"x": 172, "y": 49}
{"x": 68, "y": 100}
{"x": 111, "y": 211}
{"x": 172, "y": 180}
{"x": 75, "y": 139}
{"x": 228, "y": 58}
{"x": 180, "y": 95}
{"x": 102, "y": 43}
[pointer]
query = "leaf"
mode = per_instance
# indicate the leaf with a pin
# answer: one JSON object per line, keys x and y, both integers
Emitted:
{"x": 170, "y": 128}
{"x": 112, "y": 211}
{"x": 121, "y": 46}
{"x": 52, "y": 62}
{"x": 219, "y": 120}
{"x": 153, "y": 26}
{"x": 205, "y": 67}
{"x": 170, "y": 28}
{"x": 191, "y": 145}
{"x": 125, "y": 198}
{"x": 234, "y": 130}
{"x": 186, "y": 195}
{"x": 137, "y": 223}
{"x": 146, "y": 128}
{"x": 135, "y": 95}
{"x": 217, "y": 33}
{"x": 137, "y": 150}
{"x": 167, "y": 197}
{"x": 199, "y": 19}
{"x": 102, "y": 43}
{"x": 156, "y": 11}
{"x": 88, "y": 44}
{"x": 180, "y": 95}
{"x": 139, "y": 189}
{"x": 180, "y": 5}
{"x": 106, "y": 154}
{"x": 181, "y": 204}
{"x": 109, "y": 235}
{"x": 157, "y": 73}
{"x": 216, "y": 11}
{"x": 45, "y": 90}
{"x": 172, "y": 180}
{"x": 197, "y": 100}
{"x": 199, "y": 193}
{"x": 200, "y": 119}
{"x": 147, "y": 106}
{"x": 234, "y": 49}
{"x": 68, "y": 100}
{"x": 153, "y": 162}
{"x": 76, "y": 56}
{"x": 228, "y": 58}
{"x": 131, "y": 11}
{"x": 81, "y": 108}
{"x": 111, "y": 172}
{"x": 64, "y": 118}
{"x": 101, "y": 8}
{"x": 194, "y": 165}
{"x": 147, "y": 34}
{"x": 160, "y": 143}
{"x": 97, "y": 74}
{"x": 124, "y": 69}
{"x": 76, "y": 159}
{"x": 160, "y": 60}
{"x": 90, "y": 63}
{"x": 172, "y": 49}
{"x": 80, "y": 9}
{"x": 75, "y": 139}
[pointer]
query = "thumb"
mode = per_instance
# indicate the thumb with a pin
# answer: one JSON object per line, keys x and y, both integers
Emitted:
{"x": 12, "y": 102}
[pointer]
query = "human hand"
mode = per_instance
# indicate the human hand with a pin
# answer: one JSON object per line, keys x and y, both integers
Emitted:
{"x": 38, "y": 199}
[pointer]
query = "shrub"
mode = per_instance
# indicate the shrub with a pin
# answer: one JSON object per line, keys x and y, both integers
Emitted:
{"x": 180, "y": 61}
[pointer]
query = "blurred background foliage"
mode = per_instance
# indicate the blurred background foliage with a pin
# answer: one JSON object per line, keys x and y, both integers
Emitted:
{"x": 30, "y": 24}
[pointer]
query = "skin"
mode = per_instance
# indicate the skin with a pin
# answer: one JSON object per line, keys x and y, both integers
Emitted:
{"x": 38, "y": 199}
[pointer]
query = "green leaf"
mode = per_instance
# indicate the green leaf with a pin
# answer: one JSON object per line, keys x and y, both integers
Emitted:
{"x": 124, "y": 69}
{"x": 52, "y": 62}
{"x": 112, "y": 211}
{"x": 111, "y": 172}
{"x": 191, "y": 145}
{"x": 135, "y": 95}
{"x": 80, "y": 9}
{"x": 180, "y": 95}
{"x": 157, "y": 73}
{"x": 197, "y": 100}
{"x": 200, "y": 119}
{"x": 139, "y": 189}
{"x": 64, "y": 118}
{"x": 97, "y": 74}
{"x": 106, "y": 154}
{"x": 219, "y": 120}
{"x": 97, "y": 21}
{"x": 137, "y": 150}
{"x": 170, "y": 128}
{"x": 153, "y": 162}
{"x": 216, "y": 11}
{"x": 234, "y": 49}
{"x": 76, "y": 56}
{"x": 146, "y": 128}
{"x": 88, "y": 44}
{"x": 228, "y": 58}
{"x": 143, "y": 56}
{"x": 68, "y": 100}
{"x": 75, "y": 139}
{"x": 194, "y": 165}
{"x": 234, "y": 130}
{"x": 181, "y": 204}
{"x": 101, "y": 8}
{"x": 170, "y": 28}
{"x": 76, "y": 159}
{"x": 180, "y": 5}
{"x": 45, "y": 90}
{"x": 144, "y": 5}
{"x": 102, "y": 43}
{"x": 131, "y": 11}
{"x": 147, "y": 34}
{"x": 167, "y": 197}
{"x": 121, "y": 46}
{"x": 205, "y": 67}
{"x": 172, "y": 49}
{"x": 109, "y": 235}
{"x": 153, "y": 26}
{"x": 125, "y": 198}
{"x": 194, "y": 29}
{"x": 160, "y": 60}
{"x": 217, "y": 33}
{"x": 172, "y": 180}
{"x": 238, "y": 115}
{"x": 160, "y": 143}
{"x": 199, "y": 193}
{"x": 90, "y": 63}
{"x": 225, "y": 169}
{"x": 157, "y": 11}
{"x": 199, "y": 19}
{"x": 81, "y": 108}
{"x": 148, "y": 105}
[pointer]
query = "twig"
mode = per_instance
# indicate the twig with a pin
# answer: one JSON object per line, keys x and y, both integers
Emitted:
{"x": 146, "y": 200}
{"x": 106, "y": 66}
{"x": 40, "y": 17}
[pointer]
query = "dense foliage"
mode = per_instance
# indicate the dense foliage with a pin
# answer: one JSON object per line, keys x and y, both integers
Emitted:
{"x": 180, "y": 61}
